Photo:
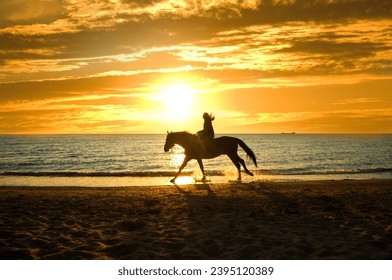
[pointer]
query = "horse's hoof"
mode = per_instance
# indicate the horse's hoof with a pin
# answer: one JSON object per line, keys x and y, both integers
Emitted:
{"x": 173, "y": 180}
{"x": 250, "y": 173}
{"x": 235, "y": 181}
{"x": 203, "y": 180}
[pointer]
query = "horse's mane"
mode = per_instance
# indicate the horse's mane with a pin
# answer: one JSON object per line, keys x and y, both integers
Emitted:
{"x": 185, "y": 133}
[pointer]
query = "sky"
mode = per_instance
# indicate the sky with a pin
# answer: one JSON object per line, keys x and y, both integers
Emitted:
{"x": 133, "y": 66}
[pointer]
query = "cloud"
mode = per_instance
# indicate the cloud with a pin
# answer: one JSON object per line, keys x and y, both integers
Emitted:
{"x": 191, "y": 33}
{"x": 358, "y": 100}
{"x": 276, "y": 55}
{"x": 29, "y": 11}
{"x": 279, "y": 11}
{"x": 27, "y": 17}
{"x": 352, "y": 50}
{"x": 298, "y": 49}
{"x": 88, "y": 14}
{"x": 341, "y": 121}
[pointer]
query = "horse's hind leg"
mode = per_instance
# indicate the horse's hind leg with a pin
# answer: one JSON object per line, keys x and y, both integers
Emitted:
{"x": 199, "y": 160}
{"x": 244, "y": 165}
{"x": 234, "y": 158}
{"x": 238, "y": 162}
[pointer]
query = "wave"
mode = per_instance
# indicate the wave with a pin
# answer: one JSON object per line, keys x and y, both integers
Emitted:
{"x": 168, "y": 173}
{"x": 326, "y": 172}
{"x": 91, "y": 173}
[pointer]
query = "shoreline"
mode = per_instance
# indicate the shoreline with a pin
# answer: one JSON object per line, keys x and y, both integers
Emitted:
{"x": 128, "y": 181}
{"x": 345, "y": 219}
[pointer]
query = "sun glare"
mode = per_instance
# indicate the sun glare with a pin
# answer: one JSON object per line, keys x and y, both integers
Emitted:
{"x": 178, "y": 100}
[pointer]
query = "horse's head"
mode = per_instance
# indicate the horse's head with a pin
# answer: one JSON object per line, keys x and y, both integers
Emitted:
{"x": 169, "y": 141}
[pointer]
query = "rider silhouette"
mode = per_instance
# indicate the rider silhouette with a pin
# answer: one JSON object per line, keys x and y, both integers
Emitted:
{"x": 207, "y": 134}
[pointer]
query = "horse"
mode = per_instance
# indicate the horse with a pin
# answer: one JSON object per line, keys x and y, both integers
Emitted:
{"x": 193, "y": 149}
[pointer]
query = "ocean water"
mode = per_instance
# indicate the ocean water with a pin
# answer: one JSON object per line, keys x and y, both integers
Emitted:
{"x": 121, "y": 160}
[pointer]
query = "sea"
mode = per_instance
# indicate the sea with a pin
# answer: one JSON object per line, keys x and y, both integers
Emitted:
{"x": 133, "y": 160}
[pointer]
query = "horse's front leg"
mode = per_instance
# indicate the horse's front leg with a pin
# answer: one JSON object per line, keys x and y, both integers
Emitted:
{"x": 199, "y": 160}
{"x": 186, "y": 159}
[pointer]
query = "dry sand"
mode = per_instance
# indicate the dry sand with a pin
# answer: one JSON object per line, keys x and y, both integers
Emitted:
{"x": 264, "y": 220}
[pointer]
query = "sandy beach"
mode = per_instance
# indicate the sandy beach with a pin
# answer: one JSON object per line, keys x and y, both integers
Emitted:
{"x": 347, "y": 219}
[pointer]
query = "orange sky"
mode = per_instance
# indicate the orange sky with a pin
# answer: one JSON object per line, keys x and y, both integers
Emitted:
{"x": 128, "y": 66}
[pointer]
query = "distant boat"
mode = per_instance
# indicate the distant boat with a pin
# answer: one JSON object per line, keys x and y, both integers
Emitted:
{"x": 287, "y": 133}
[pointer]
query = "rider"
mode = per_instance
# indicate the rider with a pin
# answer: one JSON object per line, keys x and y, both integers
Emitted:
{"x": 207, "y": 134}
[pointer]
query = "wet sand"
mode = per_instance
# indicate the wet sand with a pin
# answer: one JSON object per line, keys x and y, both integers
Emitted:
{"x": 347, "y": 219}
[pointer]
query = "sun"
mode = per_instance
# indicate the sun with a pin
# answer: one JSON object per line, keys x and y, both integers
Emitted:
{"x": 178, "y": 100}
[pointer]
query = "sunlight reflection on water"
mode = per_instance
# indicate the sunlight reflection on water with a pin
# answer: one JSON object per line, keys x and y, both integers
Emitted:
{"x": 185, "y": 180}
{"x": 177, "y": 156}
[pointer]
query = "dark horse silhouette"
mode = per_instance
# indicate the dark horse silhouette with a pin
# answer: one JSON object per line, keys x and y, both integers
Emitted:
{"x": 220, "y": 146}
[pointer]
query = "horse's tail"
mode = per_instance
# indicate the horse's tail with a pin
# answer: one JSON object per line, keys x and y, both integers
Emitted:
{"x": 248, "y": 151}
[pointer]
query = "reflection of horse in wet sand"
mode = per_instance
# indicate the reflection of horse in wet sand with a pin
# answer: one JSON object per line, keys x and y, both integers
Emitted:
{"x": 219, "y": 146}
